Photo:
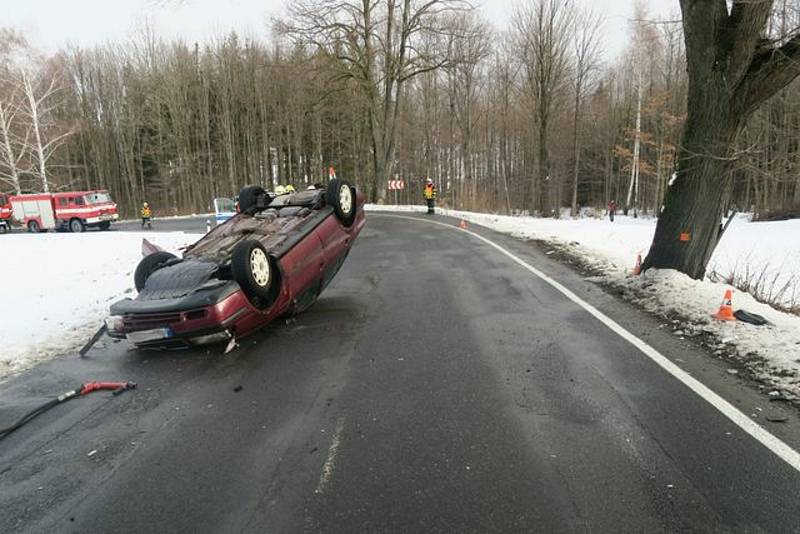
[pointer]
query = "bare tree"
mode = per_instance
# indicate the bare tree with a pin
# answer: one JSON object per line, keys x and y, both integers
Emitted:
{"x": 586, "y": 45}
{"x": 12, "y": 146}
{"x": 378, "y": 45}
{"x": 40, "y": 90}
{"x": 544, "y": 28}
{"x": 470, "y": 48}
{"x": 734, "y": 66}
{"x": 13, "y": 149}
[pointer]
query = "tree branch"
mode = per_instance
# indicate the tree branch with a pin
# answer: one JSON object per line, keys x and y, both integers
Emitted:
{"x": 769, "y": 72}
{"x": 741, "y": 33}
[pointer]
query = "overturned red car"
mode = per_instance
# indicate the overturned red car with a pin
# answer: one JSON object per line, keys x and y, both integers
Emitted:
{"x": 274, "y": 257}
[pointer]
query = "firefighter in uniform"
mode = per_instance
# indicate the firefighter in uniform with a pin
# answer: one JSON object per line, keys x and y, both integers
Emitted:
{"x": 430, "y": 194}
{"x": 147, "y": 214}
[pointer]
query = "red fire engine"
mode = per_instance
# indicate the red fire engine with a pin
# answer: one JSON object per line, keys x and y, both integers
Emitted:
{"x": 73, "y": 210}
{"x": 5, "y": 214}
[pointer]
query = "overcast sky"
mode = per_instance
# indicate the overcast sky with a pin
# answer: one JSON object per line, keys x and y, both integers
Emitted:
{"x": 50, "y": 24}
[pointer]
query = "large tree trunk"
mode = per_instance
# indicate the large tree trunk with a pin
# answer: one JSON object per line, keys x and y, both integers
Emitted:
{"x": 576, "y": 152}
{"x": 689, "y": 227}
{"x": 543, "y": 162}
{"x": 731, "y": 72}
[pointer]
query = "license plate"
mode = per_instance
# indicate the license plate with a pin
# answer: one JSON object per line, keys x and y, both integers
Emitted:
{"x": 106, "y": 217}
{"x": 143, "y": 336}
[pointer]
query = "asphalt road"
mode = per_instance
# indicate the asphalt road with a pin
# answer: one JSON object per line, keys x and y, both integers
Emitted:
{"x": 435, "y": 386}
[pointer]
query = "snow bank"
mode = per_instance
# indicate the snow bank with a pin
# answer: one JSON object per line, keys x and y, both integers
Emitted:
{"x": 57, "y": 288}
{"x": 772, "y": 352}
{"x": 769, "y": 247}
{"x": 402, "y": 208}
{"x": 172, "y": 217}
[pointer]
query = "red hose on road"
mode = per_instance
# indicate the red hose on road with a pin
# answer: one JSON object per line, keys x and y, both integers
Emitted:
{"x": 85, "y": 389}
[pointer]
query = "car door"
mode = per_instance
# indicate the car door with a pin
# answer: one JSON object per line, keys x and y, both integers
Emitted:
{"x": 336, "y": 244}
{"x": 303, "y": 266}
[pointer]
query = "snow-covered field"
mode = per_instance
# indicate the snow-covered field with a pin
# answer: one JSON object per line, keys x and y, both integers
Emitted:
{"x": 772, "y": 352}
{"x": 56, "y": 288}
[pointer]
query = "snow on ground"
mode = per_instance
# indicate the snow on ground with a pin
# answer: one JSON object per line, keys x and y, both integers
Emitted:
{"x": 171, "y": 217}
{"x": 57, "y": 287}
{"x": 771, "y": 352}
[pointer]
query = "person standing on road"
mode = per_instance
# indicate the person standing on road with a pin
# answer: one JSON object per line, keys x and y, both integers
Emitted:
{"x": 612, "y": 209}
{"x": 147, "y": 214}
{"x": 430, "y": 194}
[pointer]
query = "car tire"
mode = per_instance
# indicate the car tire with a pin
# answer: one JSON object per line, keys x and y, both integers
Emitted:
{"x": 150, "y": 264}
{"x": 255, "y": 272}
{"x": 341, "y": 197}
{"x": 248, "y": 197}
{"x": 3, "y": 229}
{"x": 105, "y": 225}
{"x": 76, "y": 226}
{"x": 33, "y": 227}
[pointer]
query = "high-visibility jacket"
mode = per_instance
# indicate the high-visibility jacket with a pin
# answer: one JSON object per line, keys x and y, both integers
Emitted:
{"x": 146, "y": 212}
{"x": 429, "y": 191}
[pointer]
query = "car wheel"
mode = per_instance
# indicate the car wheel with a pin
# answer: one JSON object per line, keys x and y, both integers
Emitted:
{"x": 3, "y": 229}
{"x": 105, "y": 225}
{"x": 150, "y": 264}
{"x": 340, "y": 195}
{"x": 248, "y": 197}
{"x": 33, "y": 226}
{"x": 255, "y": 272}
{"x": 76, "y": 226}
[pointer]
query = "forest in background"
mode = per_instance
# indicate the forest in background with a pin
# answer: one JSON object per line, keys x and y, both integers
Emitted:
{"x": 533, "y": 118}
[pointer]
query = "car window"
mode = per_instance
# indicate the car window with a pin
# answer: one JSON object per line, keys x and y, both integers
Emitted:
{"x": 223, "y": 205}
{"x": 97, "y": 198}
{"x": 79, "y": 201}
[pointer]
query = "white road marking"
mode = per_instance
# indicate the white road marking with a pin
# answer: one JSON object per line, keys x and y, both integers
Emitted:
{"x": 774, "y": 444}
{"x": 330, "y": 462}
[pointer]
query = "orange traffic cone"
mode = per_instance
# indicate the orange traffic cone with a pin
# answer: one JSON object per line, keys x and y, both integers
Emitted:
{"x": 637, "y": 269}
{"x": 462, "y": 224}
{"x": 725, "y": 312}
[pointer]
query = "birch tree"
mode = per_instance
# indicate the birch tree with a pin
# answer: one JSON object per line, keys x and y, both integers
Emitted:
{"x": 12, "y": 147}
{"x": 40, "y": 92}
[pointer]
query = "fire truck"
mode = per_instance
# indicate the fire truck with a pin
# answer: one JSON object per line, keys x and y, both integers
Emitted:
{"x": 74, "y": 210}
{"x": 5, "y": 214}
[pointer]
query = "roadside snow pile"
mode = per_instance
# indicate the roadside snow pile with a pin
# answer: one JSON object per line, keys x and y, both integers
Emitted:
{"x": 771, "y": 352}
{"x": 57, "y": 288}
{"x": 406, "y": 208}
{"x": 770, "y": 250}
{"x": 210, "y": 215}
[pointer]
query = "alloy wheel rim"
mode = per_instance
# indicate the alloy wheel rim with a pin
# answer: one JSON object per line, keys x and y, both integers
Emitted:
{"x": 345, "y": 199}
{"x": 259, "y": 266}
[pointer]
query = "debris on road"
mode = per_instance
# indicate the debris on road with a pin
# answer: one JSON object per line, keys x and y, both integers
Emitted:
{"x": 751, "y": 318}
{"x": 777, "y": 418}
{"x": 95, "y": 338}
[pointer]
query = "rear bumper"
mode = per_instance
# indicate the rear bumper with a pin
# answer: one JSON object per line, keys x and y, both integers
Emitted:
{"x": 183, "y": 328}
